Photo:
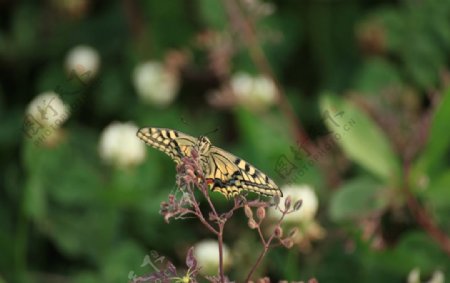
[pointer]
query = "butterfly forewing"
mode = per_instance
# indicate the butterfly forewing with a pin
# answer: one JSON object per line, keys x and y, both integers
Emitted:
{"x": 173, "y": 143}
{"x": 228, "y": 174}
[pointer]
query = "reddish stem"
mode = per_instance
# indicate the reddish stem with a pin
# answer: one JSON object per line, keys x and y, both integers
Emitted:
{"x": 220, "y": 240}
{"x": 266, "y": 247}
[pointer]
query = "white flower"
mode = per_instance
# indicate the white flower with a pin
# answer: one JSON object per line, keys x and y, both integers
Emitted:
{"x": 207, "y": 254}
{"x": 255, "y": 92}
{"x": 155, "y": 84}
{"x": 120, "y": 146}
{"x": 47, "y": 110}
{"x": 84, "y": 61}
{"x": 414, "y": 276}
{"x": 438, "y": 277}
{"x": 309, "y": 207}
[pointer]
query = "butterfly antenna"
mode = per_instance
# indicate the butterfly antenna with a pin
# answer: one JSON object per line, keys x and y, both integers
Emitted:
{"x": 211, "y": 132}
{"x": 184, "y": 121}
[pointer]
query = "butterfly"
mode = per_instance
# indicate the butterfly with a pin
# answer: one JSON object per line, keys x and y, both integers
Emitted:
{"x": 226, "y": 173}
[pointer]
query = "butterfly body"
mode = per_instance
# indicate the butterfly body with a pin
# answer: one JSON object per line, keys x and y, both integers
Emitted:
{"x": 225, "y": 172}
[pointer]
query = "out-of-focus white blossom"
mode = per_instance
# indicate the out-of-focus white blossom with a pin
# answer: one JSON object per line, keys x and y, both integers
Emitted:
{"x": 309, "y": 207}
{"x": 47, "y": 110}
{"x": 254, "y": 92}
{"x": 438, "y": 277}
{"x": 414, "y": 276}
{"x": 120, "y": 146}
{"x": 155, "y": 84}
{"x": 84, "y": 61}
{"x": 207, "y": 254}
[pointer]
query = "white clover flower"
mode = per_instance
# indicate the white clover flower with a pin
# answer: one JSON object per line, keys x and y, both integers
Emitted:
{"x": 155, "y": 84}
{"x": 438, "y": 277}
{"x": 207, "y": 254}
{"x": 119, "y": 145}
{"x": 254, "y": 92}
{"x": 84, "y": 61}
{"x": 47, "y": 110}
{"x": 309, "y": 207}
{"x": 414, "y": 276}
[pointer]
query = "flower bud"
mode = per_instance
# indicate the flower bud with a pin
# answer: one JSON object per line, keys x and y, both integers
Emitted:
{"x": 287, "y": 203}
{"x": 288, "y": 243}
{"x": 278, "y": 232}
{"x": 261, "y": 213}
{"x": 252, "y": 223}
{"x": 248, "y": 211}
{"x": 298, "y": 204}
{"x": 305, "y": 207}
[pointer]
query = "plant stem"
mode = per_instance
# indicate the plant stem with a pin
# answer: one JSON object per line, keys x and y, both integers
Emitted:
{"x": 199, "y": 214}
{"x": 260, "y": 257}
{"x": 266, "y": 245}
{"x": 220, "y": 240}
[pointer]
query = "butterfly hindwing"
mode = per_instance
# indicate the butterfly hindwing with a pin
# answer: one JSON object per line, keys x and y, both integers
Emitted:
{"x": 233, "y": 174}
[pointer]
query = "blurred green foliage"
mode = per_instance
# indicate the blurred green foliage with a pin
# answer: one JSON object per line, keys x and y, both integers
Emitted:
{"x": 66, "y": 216}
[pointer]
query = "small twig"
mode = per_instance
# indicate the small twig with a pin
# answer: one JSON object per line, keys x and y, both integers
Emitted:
{"x": 199, "y": 214}
{"x": 266, "y": 245}
{"x": 261, "y": 236}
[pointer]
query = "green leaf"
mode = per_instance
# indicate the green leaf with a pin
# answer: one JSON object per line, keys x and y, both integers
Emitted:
{"x": 360, "y": 138}
{"x": 417, "y": 249}
{"x": 356, "y": 198}
{"x": 127, "y": 260}
{"x": 438, "y": 141}
{"x": 213, "y": 13}
{"x": 438, "y": 195}
{"x": 375, "y": 75}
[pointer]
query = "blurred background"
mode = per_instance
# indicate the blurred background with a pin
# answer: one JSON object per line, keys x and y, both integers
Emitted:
{"x": 344, "y": 103}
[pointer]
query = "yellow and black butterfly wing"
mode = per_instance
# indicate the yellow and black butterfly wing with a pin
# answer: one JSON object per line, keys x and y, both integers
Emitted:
{"x": 230, "y": 175}
{"x": 173, "y": 143}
